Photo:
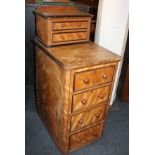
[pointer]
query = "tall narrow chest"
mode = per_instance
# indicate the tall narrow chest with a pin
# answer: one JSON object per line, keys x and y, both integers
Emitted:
{"x": 73, "y": 88}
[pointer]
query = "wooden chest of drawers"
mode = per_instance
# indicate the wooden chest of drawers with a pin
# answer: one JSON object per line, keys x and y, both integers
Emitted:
{"x": 62, "y": 25}
{"x": 73, "y": 88}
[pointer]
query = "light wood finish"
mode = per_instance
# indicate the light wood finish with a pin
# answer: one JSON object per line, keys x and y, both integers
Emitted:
{"x": 63, "y": 109}
{"x": 90, "y": 98}
{"x": 52, "y": 29}
{"x": 58, "y": 26}
{"x": 86, "y": 118}
{"x": 67, "y": 37}
{"x": 86, "y": 55}
{"x": 84, "y": 137}
{"x": 93, "y": 77}
{"x": 52, "y": 91}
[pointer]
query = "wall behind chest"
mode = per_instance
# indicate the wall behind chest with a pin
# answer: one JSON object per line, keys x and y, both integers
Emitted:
{"x": 112, "y": 29}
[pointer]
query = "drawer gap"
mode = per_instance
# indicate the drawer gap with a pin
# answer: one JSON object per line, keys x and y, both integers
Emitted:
{"x": 89, "y": 108}
{"x": 91, "y": 88}
{"x": 89, "y": 126}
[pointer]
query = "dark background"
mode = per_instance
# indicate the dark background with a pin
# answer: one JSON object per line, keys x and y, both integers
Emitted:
{"x": 29, "y": 51}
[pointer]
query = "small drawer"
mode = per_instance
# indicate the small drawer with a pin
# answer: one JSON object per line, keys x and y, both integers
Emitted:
{"x": 90, "y": 98}
{"x": 85, "y": 137}
{"x": 86, "y": 118}
{"x": 70, "y": 25}
{"x": 92, "y": 78}
{"x": 67, "y": 37}
{"x": 67, "y": 20}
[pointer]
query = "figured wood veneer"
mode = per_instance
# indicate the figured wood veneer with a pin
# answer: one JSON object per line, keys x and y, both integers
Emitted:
{"x": 67, "y": 37}
{"x": 93, "y": 77}
{"x": 90, "y": 98}
{"x": 58, "y": 25}
{"x": 70, "y": 25}
{"x": 74, "y": 117}
{"x": 88, "y": 117}
{"x": 84, "y": 137}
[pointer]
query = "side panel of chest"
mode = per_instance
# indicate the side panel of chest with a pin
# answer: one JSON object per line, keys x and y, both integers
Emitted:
{"x": 52, "y": 97}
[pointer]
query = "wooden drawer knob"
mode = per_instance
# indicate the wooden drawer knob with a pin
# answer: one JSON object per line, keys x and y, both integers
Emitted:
{"x": 79, "y": 36}
{"x": 101, "y": 96}
{"x": 79, "y": 24}
{"x": 97, "y": 115}
{"x": 86, "y": 81}
{"x": 81, "y": 121}
{"x": 62, "y": 25}
{"x": 104, "y": 76}
{"x": 79, "y": 140}
{"x": 62, "y": 37}
{"x": 94, "y": 134}
{"x": 83, "y": 101}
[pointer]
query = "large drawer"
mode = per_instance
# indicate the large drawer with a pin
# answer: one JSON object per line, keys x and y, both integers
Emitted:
{"x": 70, "y": 25}
{"x": 69, "y": 37}
{"x": 85, "y": 137}
{"x": 90, "y": 98}
{"x": 84, "y": 119}
{"x": 92, "y": 78}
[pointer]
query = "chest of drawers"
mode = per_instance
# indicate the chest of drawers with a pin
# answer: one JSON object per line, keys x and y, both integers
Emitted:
{"x": 62, "y": 25}
{"x": 73, "y": 88}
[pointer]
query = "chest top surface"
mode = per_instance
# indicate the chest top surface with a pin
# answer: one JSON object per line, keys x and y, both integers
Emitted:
{"x": 79, "y": 55}
{"x": 60, "y": 11}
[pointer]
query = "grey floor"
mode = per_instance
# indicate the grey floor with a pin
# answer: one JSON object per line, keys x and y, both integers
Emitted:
{"x": 115, "y": 140}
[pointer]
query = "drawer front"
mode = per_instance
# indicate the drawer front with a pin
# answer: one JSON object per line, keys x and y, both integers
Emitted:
{"x": 86, "y": 118}
{"x": 93, "y": 77}
{"x": 70, "y": 25}
{"x": 90, "y": 98}
{"x": 85, "y": 137}
{"x": 68, "y": 37}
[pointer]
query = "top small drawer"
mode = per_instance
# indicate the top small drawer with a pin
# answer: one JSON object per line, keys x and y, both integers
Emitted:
{"x": 57, "y": 26}
{"x": 92, "y": 78}
{"x": 47, "y": 29}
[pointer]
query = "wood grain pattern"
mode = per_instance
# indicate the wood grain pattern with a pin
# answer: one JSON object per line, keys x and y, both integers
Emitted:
{"x": 58, "y": 26}
{"x": 73, "y": 118}
{"x": 90, "y": 98}
{"x": 67, "y": 37}
{"x": 88, "y": 117}
{"x": 52, "y": 89}
{"x": 53, "y": 30}
{"x": 85, "y": 56}
{"x": 84, "y": 137}
{"x": 93, "y": 77}
{"x": 43, "y": 30}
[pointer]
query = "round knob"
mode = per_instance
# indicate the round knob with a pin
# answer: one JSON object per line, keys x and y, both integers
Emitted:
{"x": 79, "y": 24}
{"x": 79, "y": 140}
{"x": 94, "y": 134}
{"x": 83, "y": 101}
{"x": 101, "y": 96}
{"x": 62, "y": 25}
{"x": 81, "y": 121}
{"x": 104, "y": 76}
{"x": 97, "y": 115}
{"x": 86, "y": 81}
{"x": 80, "y": 36}
{"x": 62, "y": 37}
